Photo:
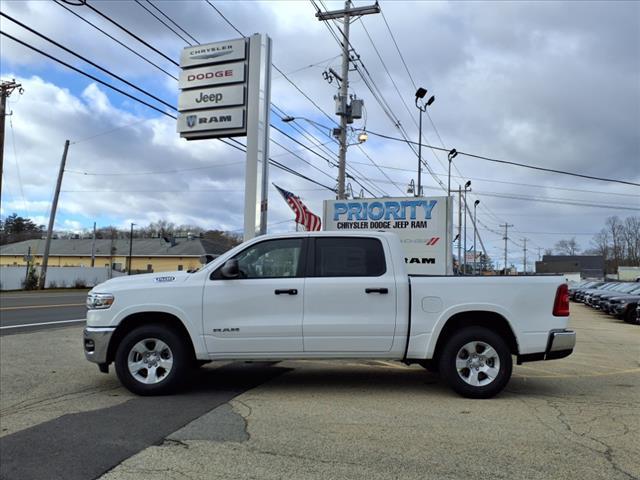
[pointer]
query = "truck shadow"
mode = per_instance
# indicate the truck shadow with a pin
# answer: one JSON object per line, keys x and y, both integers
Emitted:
{"x": 316, "y": 377}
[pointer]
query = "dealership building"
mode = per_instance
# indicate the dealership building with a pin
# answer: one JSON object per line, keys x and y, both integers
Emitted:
{"x": 588, "y": 266}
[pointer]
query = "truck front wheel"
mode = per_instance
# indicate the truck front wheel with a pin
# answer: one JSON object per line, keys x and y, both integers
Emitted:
{"x": 152, "y": 360}
{"x": 476, "y": 362}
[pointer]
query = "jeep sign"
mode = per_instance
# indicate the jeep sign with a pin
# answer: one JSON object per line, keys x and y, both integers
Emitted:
{"x": 420, "y": 222}
{"x": 211, "y": 97}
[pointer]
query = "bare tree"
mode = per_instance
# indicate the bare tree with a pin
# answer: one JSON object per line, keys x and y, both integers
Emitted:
{"x": 567, "y": 247}
{"x": 616, "y": 230}
{"x": 601, "y": 242}
{"x": 631, "y": 236}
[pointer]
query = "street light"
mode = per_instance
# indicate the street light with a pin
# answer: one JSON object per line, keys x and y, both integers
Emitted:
{"x": 130, "y": 248}
{"x": 475, "y": 234}
{"x": 452, "y": 154}
{"x": 466, "y": 189}
{"x": 420, "y": 94}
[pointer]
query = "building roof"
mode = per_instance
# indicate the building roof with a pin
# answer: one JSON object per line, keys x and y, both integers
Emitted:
{"x": 142, "y": 247}
{"x": 587, "y": 265}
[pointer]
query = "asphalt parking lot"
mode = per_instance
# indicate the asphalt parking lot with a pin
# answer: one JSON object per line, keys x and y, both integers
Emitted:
{"x": 575, "y": 418}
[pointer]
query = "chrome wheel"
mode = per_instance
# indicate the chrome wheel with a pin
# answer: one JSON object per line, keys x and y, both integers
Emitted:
{"x": 150, "y": 361}
{"x": 477, "y": 363}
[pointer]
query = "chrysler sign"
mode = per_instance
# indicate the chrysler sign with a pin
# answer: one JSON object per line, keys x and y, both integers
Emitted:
{"x": 213, "y": 53}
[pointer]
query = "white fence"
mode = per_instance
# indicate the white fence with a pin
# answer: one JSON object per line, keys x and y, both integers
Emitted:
{"x": 12, "y": 278}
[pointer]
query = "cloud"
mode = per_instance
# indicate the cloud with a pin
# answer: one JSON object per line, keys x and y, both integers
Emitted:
{"x": 548, "y": 84}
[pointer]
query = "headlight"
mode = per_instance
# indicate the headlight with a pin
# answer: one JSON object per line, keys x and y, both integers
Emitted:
{"x": 97, "y": 301}
{"x": 622, "y": 302}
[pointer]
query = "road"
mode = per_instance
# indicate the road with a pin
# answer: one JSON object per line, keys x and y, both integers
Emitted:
{"x": 565, "y": 419}
{"x": 31, "y": 311}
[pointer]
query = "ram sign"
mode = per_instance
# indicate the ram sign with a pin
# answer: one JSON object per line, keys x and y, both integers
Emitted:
{"x": 420, "y": 222}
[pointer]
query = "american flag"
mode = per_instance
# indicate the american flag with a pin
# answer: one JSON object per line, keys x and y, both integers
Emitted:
{"x": 303, "y": 216}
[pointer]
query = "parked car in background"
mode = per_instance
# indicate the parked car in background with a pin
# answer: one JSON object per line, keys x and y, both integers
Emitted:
{"x": 588, "y": 293}
{"x": 578, "y": 293}
{"x": 625, "y": 307}
{"x": 597, "y": 299}
{"x": 604, "y": 303}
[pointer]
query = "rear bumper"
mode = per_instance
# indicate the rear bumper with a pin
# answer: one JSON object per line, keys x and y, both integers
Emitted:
{"x": 96, "y": 343}
{"x": 560, "y": 345}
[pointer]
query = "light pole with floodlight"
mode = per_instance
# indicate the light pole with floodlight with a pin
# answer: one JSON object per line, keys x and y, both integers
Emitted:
{"x": 420, "y": 94}
{"x": 452, "y": 154}
{"x": 466, "y": 189}
{"x": 475, "y": 234}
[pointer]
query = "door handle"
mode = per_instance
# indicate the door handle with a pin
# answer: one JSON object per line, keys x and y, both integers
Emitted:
{"x": 285, "y": 291}
{"x": 376, "y": 290}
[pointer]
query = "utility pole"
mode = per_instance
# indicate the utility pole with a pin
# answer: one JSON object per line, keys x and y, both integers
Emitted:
{"x": 93, "y": 246}
{"x": 130, "y": 248}
{"x": 6, "y": 89}
{"x": 52, "y": 217}
{"x": 539, "y": 254}
{"x": 28, "y": 258}
{"x": 459, "y": 227}
{"x": 506, "y": 239}
{"x": 525, "y": 255}
{"x": 343, "y": 110}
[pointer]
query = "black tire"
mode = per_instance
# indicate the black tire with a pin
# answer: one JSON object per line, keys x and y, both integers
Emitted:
{"x": 171, "y": 378}
{"x": 487, "y": 386}
{"x": 632, "y": 315}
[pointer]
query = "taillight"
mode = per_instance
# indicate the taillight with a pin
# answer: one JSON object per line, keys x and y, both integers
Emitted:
{"x": 561, "y": 303}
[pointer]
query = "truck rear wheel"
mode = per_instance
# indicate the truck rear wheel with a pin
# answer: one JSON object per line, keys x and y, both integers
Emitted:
{"x": 152, "y": 360}
{"x": 476, "y": 362}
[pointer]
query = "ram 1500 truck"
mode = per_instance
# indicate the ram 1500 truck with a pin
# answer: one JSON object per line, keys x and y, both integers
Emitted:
{"x": 324, "y": 295}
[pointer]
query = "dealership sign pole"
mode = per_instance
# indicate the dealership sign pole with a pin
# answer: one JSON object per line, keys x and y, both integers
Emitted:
{"x": 226, "y": 92}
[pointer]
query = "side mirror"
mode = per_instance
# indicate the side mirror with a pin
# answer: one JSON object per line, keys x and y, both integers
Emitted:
{"x": 230, "y": 269}
{"x": 204, "y": 259}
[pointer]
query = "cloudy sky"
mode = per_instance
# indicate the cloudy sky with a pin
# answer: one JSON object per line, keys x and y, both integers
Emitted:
{"x": 551, "y": 84}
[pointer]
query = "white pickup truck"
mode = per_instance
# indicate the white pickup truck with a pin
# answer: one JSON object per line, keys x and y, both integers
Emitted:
{"x": 324, "y": 295}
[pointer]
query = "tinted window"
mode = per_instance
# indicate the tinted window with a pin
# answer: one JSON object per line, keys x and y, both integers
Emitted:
{"x": 349, "y": 257}
{"x": 271, "y": 259}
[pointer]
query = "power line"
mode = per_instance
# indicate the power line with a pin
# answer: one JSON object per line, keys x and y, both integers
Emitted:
{"x": 116, "y": 40}
{"x": 93, "y": 64}
{"x": 162, "y": 21}
{"x": 157, "y": 172}
{"x": 127, "y": 31}
{"x": 96, "y": 79}
{"x": 507, "y": 162}
{"x": 132, "y": 97}
{"x": 171, "y": 20}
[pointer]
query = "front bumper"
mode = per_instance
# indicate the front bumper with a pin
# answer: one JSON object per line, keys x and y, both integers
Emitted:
{"x": 96, "y": 344}
{"x": 560, "y": 344}
{"x": 619, "y": 309}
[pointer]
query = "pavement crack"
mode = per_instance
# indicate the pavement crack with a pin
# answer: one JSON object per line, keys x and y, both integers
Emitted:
{"x": 304, "y": 457}
{"x": 579, "y": 438}
{"x": 171, "y": 442}
{"x": 245, "y": 418}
